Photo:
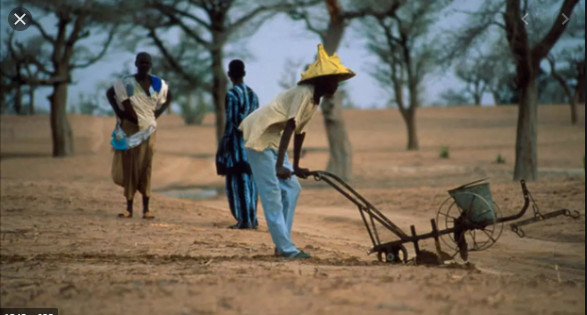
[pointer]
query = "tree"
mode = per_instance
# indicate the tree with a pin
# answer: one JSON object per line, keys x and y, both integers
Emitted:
{"x": 496, "y": 65}
{"x": 210, "y": 24}
{"x": 94, "y": 103}
{"x": 527, "y": 64}
{"x": 527, "y": 50}
{"x": 573, "y": 60}
{"x": 331, "y": 32}
{"x": 485, "y": 72}
{"x": 399, "y": 40}
{"x": 580, "y": 86}
{"x": 9, "y": 89}
{"x": 194, "y": 62}
{"x": 452, "y": 97}
{"x": 74, "y": 22}
{"x": 194, "y": 111}
{"x": 574, "y": 71}
{"x": 15, "y": 67}
{"x": 14, "y": 64}
{"x": 473, "y": 75}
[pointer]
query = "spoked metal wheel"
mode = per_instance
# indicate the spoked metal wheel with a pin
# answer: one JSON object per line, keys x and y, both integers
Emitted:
{"x": 396, "y": 255}
{"x": 477, "y": 239}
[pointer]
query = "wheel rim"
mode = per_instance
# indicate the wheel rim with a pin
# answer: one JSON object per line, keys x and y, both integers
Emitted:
{"x": 477, "y": 239}
{"x": 397, "y": 255}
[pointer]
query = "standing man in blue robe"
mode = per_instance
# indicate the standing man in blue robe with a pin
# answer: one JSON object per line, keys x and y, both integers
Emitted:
{"x": 231, "y": 157}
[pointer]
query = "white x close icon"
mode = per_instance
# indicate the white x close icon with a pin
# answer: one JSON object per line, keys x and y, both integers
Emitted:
{"x": 20, "y": 19}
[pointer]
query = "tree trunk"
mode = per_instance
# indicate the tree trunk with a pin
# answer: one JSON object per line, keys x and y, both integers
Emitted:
{"x": 410, "y": 119}
{"x": 218, "y": 92}
{"x": 527, "y": 67}
{"x": 580, "y": 88}
{"x": 477, "y": 98}
{"x": 189, "y": 103}
{"x": 32, "y": 100}
{"x": 18, "y": 100}
{"x": 495, "y": 98}
{"x": 2, "y": 99}
{"x": 60, "y": 128}
{"x": 566, "y": 89}
{"x": 526, "y": 166}
{"x": 341, "y": 152}
{"x": 478, "y": 93}
{"x": 573, "y": 104}
{"x": 411, "y": 112}
{"x": 341, "y": 155}
{"x": 572, "y": 98}
{"x": 579, "y": 94}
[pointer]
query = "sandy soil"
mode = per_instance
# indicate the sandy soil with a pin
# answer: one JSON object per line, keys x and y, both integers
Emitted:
{"x": 62, "y": 246}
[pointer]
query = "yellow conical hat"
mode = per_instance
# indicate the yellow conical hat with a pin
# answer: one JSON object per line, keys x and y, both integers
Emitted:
{"x": 327, "y": 66}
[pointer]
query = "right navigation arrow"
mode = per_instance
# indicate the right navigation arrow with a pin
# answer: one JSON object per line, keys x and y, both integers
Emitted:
{"x": 566, "y": 19}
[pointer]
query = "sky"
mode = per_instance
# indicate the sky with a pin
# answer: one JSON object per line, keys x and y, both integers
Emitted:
{"x": 276, "y": 42}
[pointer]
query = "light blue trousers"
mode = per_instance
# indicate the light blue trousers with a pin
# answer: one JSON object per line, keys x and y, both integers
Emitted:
{"x": 278, "y": 197}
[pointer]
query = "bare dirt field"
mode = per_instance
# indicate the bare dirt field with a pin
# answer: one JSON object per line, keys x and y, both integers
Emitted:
{"x": 62, "y": 246}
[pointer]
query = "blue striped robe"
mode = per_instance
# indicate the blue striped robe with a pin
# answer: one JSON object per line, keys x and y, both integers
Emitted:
{"x": 240, "y": 188}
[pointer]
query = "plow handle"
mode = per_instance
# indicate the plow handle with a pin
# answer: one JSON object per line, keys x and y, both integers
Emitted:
{"x": 365, "y": 207}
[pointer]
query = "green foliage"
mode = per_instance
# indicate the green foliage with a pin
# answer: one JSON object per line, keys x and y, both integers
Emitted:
{"x": 94, "y": 104}
{"x": 193, "y": 112}
{"x": 499, "y": 159}
{"x": 87, "y": 105}
{"x": 444, "y": 152}
{"x": 452, "y": 97}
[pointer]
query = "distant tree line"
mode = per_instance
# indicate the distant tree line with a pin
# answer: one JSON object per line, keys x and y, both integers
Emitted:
{"x": 520, "y": 65}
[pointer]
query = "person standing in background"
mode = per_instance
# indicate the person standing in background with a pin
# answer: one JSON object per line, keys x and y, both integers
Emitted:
{"x": 231, "y": 157}
{"x": 137, "y": 100}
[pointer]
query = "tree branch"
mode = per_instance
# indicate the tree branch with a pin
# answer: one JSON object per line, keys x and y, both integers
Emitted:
{"x": 558, "y": 77}
{"x": 22, "y": 58}
{"x": 304, "y": 16}
{"x": 43, "y": 32}
{"x": 75, "y": 32}
{"x": 395, "y": 65}
{"x": 392, "y": 40}
{"x": 170, "y": 10}
{"x": 543, "y": 47}
{"x": 257, "y": 11}
{"x": 516, "y": 34}
{"x": 74, "y": 36}
{"x": 60, "y": 40}
{"x": 368, "y": 11}
{"x": 500, "y": 25}
{"x": 50, "y": 81}
{"x": 174, "y": 19}
{"x": 174, "y": 64}
{"x": 40, "y": 66}
{"x": 166, "y": 54}
{"x": 101, "y": 53}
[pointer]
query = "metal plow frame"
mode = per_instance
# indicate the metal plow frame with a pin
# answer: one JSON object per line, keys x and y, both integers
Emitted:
{"x": 395, "y": 251}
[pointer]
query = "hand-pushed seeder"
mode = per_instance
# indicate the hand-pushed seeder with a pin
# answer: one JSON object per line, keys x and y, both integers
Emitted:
{"x": 470, "y": 219}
